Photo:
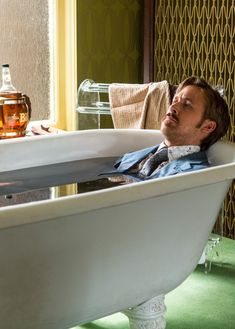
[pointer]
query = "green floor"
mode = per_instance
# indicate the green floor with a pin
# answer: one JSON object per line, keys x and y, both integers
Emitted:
{"x": 203, "y": 301}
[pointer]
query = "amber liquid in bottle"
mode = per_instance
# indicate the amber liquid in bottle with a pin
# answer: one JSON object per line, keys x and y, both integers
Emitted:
{"x": 13, "y": 108}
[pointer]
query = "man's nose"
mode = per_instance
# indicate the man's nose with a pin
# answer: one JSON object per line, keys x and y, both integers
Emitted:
{"x": 174, "y": 108}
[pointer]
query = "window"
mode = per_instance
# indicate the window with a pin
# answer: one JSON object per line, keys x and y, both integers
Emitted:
{"x": 38, "y": 41}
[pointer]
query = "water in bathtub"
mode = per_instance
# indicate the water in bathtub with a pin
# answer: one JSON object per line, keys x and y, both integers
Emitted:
{"x": 56, "y": 180}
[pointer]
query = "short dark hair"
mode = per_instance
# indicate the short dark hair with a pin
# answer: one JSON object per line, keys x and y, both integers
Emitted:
{"x": 216, "y": 109}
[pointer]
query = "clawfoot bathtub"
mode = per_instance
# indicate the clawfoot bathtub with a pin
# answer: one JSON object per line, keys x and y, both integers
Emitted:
{"x": 72, "y": 259}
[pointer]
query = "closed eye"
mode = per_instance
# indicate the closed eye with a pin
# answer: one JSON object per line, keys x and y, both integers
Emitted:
{"x": 187, "y": 104}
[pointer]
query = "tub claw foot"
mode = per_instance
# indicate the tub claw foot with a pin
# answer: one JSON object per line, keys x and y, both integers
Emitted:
{"x": 149, "y": 315}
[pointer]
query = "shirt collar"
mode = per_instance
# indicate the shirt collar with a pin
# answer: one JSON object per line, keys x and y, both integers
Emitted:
{"x": 176, "y": 152}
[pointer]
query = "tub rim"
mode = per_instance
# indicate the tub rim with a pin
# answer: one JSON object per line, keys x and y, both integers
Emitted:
{"x": 114, "y": 196}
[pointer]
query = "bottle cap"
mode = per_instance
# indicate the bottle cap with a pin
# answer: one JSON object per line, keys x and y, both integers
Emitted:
{"x": 5, "y": 65}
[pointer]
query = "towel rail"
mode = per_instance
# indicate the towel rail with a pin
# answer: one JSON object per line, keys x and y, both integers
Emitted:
{"x": 93, "y": 98}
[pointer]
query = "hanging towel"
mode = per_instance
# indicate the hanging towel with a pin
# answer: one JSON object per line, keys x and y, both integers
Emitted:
{"x": 139, "y": 106}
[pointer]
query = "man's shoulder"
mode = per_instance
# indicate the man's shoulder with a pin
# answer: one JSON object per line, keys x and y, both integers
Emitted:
{"x": 187, "y": 163}
{"x": 131, "y": 158}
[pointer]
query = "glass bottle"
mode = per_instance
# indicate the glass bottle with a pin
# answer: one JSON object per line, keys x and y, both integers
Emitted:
{"x": 14, "y": 115}
{"x": 7, "y": 89}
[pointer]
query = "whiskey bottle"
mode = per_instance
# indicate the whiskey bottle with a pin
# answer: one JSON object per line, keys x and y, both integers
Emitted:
{"x": 14, "y": 114}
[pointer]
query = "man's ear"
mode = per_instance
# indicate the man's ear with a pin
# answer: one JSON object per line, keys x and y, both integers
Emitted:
{"x": 208, "y": 126}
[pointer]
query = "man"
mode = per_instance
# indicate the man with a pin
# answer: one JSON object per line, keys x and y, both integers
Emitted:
{"x": 197, "y": 118}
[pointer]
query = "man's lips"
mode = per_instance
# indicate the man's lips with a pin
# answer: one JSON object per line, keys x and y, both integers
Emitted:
{"x": 171, "y": 117}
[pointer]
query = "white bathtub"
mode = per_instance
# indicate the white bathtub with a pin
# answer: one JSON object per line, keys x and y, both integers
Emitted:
{"x": 74, "y": 259}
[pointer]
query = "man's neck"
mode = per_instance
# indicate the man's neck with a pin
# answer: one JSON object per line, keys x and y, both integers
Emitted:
{"x": 170, "y": 144}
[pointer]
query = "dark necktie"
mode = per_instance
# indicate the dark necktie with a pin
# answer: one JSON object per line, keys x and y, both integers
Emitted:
{"x": 154, "y": 161}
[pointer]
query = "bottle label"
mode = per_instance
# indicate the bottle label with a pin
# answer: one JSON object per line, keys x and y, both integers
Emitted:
{"x": 23, "y": 117}
{"x": 13, "y": 120}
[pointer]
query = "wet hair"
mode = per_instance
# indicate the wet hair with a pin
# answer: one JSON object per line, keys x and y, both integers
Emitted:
{"x": 216, "y": 109}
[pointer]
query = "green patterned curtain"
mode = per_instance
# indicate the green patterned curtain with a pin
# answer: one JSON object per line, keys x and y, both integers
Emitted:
{"x": 197, "y": 37}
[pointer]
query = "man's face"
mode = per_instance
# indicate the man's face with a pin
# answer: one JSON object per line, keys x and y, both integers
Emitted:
{"x": 183, "y": 124}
